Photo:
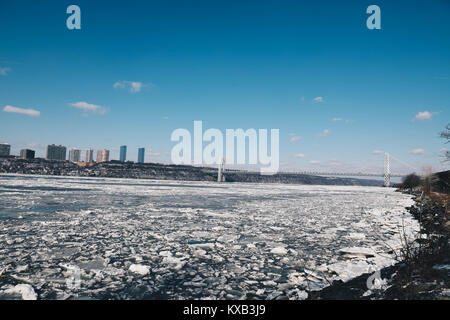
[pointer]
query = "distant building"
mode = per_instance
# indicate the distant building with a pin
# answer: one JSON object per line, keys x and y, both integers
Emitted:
{"x": 89, "y": 155}
{"x": 54, "y": 152}
{"x": 141, "y": 153}
{"x": 74, "y": 155}
{"x": 123, "y": 153}
{"x": 5, "y": 149}
{"x": 27, "y": 154}
{"x": 103, "y": 155}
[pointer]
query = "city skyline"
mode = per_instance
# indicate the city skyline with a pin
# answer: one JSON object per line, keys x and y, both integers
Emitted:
{"x": 340, "y": 94}
{"x": 74, "y": 154}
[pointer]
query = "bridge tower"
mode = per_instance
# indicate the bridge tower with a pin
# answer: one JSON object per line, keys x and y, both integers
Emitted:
{"x": 387, "y": 171}
{"x": 220, "y": 176}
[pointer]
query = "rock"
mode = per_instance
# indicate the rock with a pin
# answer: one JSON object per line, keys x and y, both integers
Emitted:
{"x": 139, "y": 269}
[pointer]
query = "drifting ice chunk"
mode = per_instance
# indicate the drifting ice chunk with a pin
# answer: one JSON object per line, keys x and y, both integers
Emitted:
{"x": 139, "y": 269}
{"x": 25, "y": 290}
{"x": 228, "y": 238}
{"x": 279, "y": 251}
{"x": 296, "y": 279}
{"x": 199, "y": 253}
{"x": 356, "y": 235}
{"x": 442, "y": 267}
{"x": 175, "y": 262}
{"x": 349, "y": 270}
{"x": 302, "y": 295}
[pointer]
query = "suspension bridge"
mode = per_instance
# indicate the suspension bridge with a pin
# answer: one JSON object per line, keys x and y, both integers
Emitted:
{"x": 387, "y": 174}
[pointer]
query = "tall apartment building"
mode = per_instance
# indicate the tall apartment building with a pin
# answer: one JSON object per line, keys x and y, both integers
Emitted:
{"x": 123, "y": 153}
{"x": 27, "y": 154}
{"x": 102, "y": 155}
{"x": 54, "y": 152}
{"x": 74, "y": 155}
{"x": 5, "y": 149}
{"x": 141, "y": 154}
{"x": 89, "y": 155}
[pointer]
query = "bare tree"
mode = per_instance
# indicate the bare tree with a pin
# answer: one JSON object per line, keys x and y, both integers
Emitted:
{"x": 446, "y": 135}
{"x": 411, "y": 181}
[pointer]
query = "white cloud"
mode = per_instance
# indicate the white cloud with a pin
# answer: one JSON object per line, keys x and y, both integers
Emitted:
{"x": 136, "y": 86}
{"x": 88, "y": 107}
{"x": 298, "y": 155}
{"x": 424, "y": 115}
{"x": 28, "y": 112}
{"x": 324, "y": 133}
{"x": 342, "y": 119}
{"x": 295, "y": 138}
{"x": 4, "y": 71}
{"x": 377, "y": 152}
{"x": 416, "y": 151}
{"x": 314, "y": 161}
{"x": 443, "y": 150}
{"x": 133, "y": 86}
{"x": 318, "y": 99}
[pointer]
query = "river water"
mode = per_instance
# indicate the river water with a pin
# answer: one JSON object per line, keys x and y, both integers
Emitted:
{"x": 92, "y": 238}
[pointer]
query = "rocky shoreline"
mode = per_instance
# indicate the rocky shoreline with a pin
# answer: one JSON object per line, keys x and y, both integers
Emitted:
{"x": 423, "y": 271}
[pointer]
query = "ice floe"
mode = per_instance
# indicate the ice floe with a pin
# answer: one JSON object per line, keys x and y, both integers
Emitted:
{"x": 139, "y": 269}
{"x": 25, "y": 291}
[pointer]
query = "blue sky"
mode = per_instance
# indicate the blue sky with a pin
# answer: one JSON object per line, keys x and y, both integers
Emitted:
{"x": 141, "y": 69}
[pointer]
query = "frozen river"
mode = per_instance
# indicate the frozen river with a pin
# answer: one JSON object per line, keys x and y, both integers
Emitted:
{"x": 77, "y": 238}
